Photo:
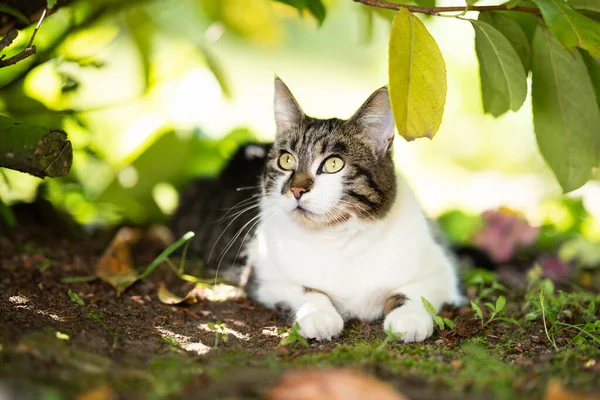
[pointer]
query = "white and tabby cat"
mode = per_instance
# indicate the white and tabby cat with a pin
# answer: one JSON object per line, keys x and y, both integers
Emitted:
{"x": 331, "y": 232}
{"x": 341, "y": 236}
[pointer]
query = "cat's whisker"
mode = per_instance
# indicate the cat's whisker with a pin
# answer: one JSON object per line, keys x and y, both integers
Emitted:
{"x": 248, "y": 207}
{"x": 247, "y": 188}
{"x": 222, "y": 233}
{"x": 242, "y": 203}
{"x": 277, "y": 211}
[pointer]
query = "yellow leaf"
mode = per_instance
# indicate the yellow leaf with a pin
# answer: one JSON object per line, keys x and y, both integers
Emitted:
{"x": 417, "y": 78}
{"x": 167, "y": 297}
{"x": 116, "y": 264}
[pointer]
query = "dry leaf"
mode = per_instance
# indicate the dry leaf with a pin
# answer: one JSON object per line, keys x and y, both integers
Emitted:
{"x": 101, "y": 393}
{"x": 116, "y": 264}
{"x": 167, "y": 297}
{"x": 332, "y": 384}
{"x": 556, "y": 391}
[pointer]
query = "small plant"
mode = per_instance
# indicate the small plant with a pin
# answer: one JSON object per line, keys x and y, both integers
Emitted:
{"x": 293, "y": 336}
{"x": 495, "y": 309}
{"x": 75, "y": 298}
{"x": 220, "y": 332}
{"x": 442, "y": 323}
{"x": 391, "y": 336}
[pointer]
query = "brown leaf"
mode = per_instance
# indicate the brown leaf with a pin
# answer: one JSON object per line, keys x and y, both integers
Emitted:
{"x": 101, "y": 393}
{"x": 556, "y": 391}
{"x": 116, "y": 264}
{"x": 467, "y": 324}
{"x": 332, "y": 384}
{"x": 167, "y": 297}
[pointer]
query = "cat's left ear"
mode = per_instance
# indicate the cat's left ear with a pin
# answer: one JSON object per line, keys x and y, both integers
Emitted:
{"x": 375, "y": 119}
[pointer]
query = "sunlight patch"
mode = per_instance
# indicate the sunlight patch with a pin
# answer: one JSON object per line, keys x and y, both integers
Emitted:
{"x": 185, "y": 342}
{"x": 227, "y": 331}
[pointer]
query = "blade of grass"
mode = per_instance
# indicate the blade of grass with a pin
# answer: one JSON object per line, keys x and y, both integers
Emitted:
{"x": 580, "y": 329}
{"x": 79, "y": 279}
{"x": 165, "y": 254}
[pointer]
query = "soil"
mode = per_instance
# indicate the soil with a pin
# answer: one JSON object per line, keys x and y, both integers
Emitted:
{"x": 133, "y": 346}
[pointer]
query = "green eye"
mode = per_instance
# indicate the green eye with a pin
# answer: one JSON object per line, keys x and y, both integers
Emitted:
{"x": 287, "y": 161}
{"x": 333, "y": 165}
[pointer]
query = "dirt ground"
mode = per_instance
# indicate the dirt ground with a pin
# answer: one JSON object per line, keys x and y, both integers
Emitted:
{"x": 57, "y": 346}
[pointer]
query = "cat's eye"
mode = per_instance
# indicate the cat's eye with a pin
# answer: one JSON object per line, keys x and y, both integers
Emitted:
{"x": 287, "y": 161}
{"x": 333, "y": 165}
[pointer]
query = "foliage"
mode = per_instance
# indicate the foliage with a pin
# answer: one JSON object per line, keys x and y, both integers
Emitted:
{"x": 220, "y": 332}
{"x": 75, "y": 298}
{"x": 442, "y": 323}
{"x": 294, "y": 336}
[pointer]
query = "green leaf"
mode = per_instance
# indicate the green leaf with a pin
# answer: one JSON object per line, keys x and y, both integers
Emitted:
{"x": 449, "y": 323}
{"x": 211, "y": 326}
{"x": 590, "y": 8}
{"x": 428, "y": 306}
{"x": 50, "y": 4}
{"x": 477, "y": 310}
{"x": 532, "y": 316}
{"x": 565, "y": 112}
{"x": 75, "y": 298}
{"x": 503, "y": 79}
{"x": 5, "y": 8}
{"x": 511, "y": 31}
{"x": 417, "y": 78}
{"x": 439, "y": 321}
{"x": 500, "y": 303}
{"x": 471, "y": 2}
{"x": 570, "y": 27}
{"x": 491, "y": 307}
{"x": 317, "y": 9}
{"x": 140, "y": 26}
{"x": 7, "y": 217}
{"x": 215, "y": 66}
{"x": 593, "y": 67}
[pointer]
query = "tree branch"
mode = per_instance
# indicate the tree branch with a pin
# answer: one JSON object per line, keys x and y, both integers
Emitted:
{"x": 439, "y": 10}
{"x": 23, "y": 54}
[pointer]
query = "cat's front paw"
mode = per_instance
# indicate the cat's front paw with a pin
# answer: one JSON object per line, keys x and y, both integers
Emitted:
{"x": 414, "y": 326}
{"x": 320, "y": 325}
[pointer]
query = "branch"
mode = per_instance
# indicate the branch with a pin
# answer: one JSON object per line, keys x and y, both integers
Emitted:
{"x": 38, "y": 151}
{"x": 439, "y": 10}
{"x": 23, "y": 54}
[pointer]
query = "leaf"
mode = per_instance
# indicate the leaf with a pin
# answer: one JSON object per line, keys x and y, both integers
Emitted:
{"x": 491, "y": 307}
{"x": 317, "y": 9}
{"x": 449, "y": 323}
{"x": 141, "y": 30}
{"x": 571, "y": 28}
{"x": 211, "y": 326}
{"x": 593, "y": 67}
{"x": 7, "y": 217}
{"x": 532, "y": 316}
{"x": 50, "y": 4}
{"x": 503, "y": 79}
{"x": 417, "y": 78}
{"x": 75, "y": 298}
{"x": 439, "y": 321}
{"x": 500, "y": 303}
{"x": 167, "y": 297}
{"x": 165, "y": 254}
{"x": 428, "y": 306}
{"x": 511, "y": 31}
{"x": 5, "y": 8}
{"x": 116, "y": 264}
{"x": 215, "y": 66}
{"x": 477, "y": 310}
{"x": 565, "y": 111}
{"x": 471, "y": 2}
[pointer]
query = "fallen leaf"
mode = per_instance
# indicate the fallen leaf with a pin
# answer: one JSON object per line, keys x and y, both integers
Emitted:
{"x": 332, "y": 384}
{"x": 556, "y": 391}
{"x": 467, "y": 324}
{"x": 100, "y": 393}
{"x": 116, "y": 264}
{"x": 167, "y": 297}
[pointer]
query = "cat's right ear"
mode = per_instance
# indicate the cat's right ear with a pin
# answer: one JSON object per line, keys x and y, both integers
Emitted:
{"x": 288, "y": 114}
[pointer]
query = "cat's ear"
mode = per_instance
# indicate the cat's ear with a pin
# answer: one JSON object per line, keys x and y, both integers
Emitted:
{"x": 375, "y": 119}
{"x": 288, "y": 113}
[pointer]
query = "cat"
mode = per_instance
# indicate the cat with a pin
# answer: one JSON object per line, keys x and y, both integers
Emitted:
{"x": 337, "y": 234}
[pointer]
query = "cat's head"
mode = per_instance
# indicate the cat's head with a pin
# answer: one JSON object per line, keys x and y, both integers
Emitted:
{"x": 326, "y": 172}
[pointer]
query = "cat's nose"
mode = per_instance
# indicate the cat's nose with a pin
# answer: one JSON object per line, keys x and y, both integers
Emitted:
{"x": 298, "y": 192}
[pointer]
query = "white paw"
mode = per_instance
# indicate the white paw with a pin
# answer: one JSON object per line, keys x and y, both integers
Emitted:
{"x": 320, "y": 325}
{"x": 414, "y": 326}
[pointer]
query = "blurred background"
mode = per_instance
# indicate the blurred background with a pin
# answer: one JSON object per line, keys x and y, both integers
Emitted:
{"x": 153, "y": 93}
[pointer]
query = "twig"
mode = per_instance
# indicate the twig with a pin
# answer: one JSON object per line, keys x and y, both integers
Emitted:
{"x": 8, "y": 39}
{"x": 26, "y": 52}
{"x": 439, "y": 10}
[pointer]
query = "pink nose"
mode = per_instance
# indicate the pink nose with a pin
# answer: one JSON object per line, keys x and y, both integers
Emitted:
{"x": 298, "y": 191}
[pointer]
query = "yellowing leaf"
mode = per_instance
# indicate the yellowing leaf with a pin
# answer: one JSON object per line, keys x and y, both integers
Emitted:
{"x": 116, "y": 264}
{"x": 565, "y": 113}
{"x": 167, "y": 297}
{"x": 417, "y": 78}
{"x": 571, "y": 28}
{"x": 503, "y": 79}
